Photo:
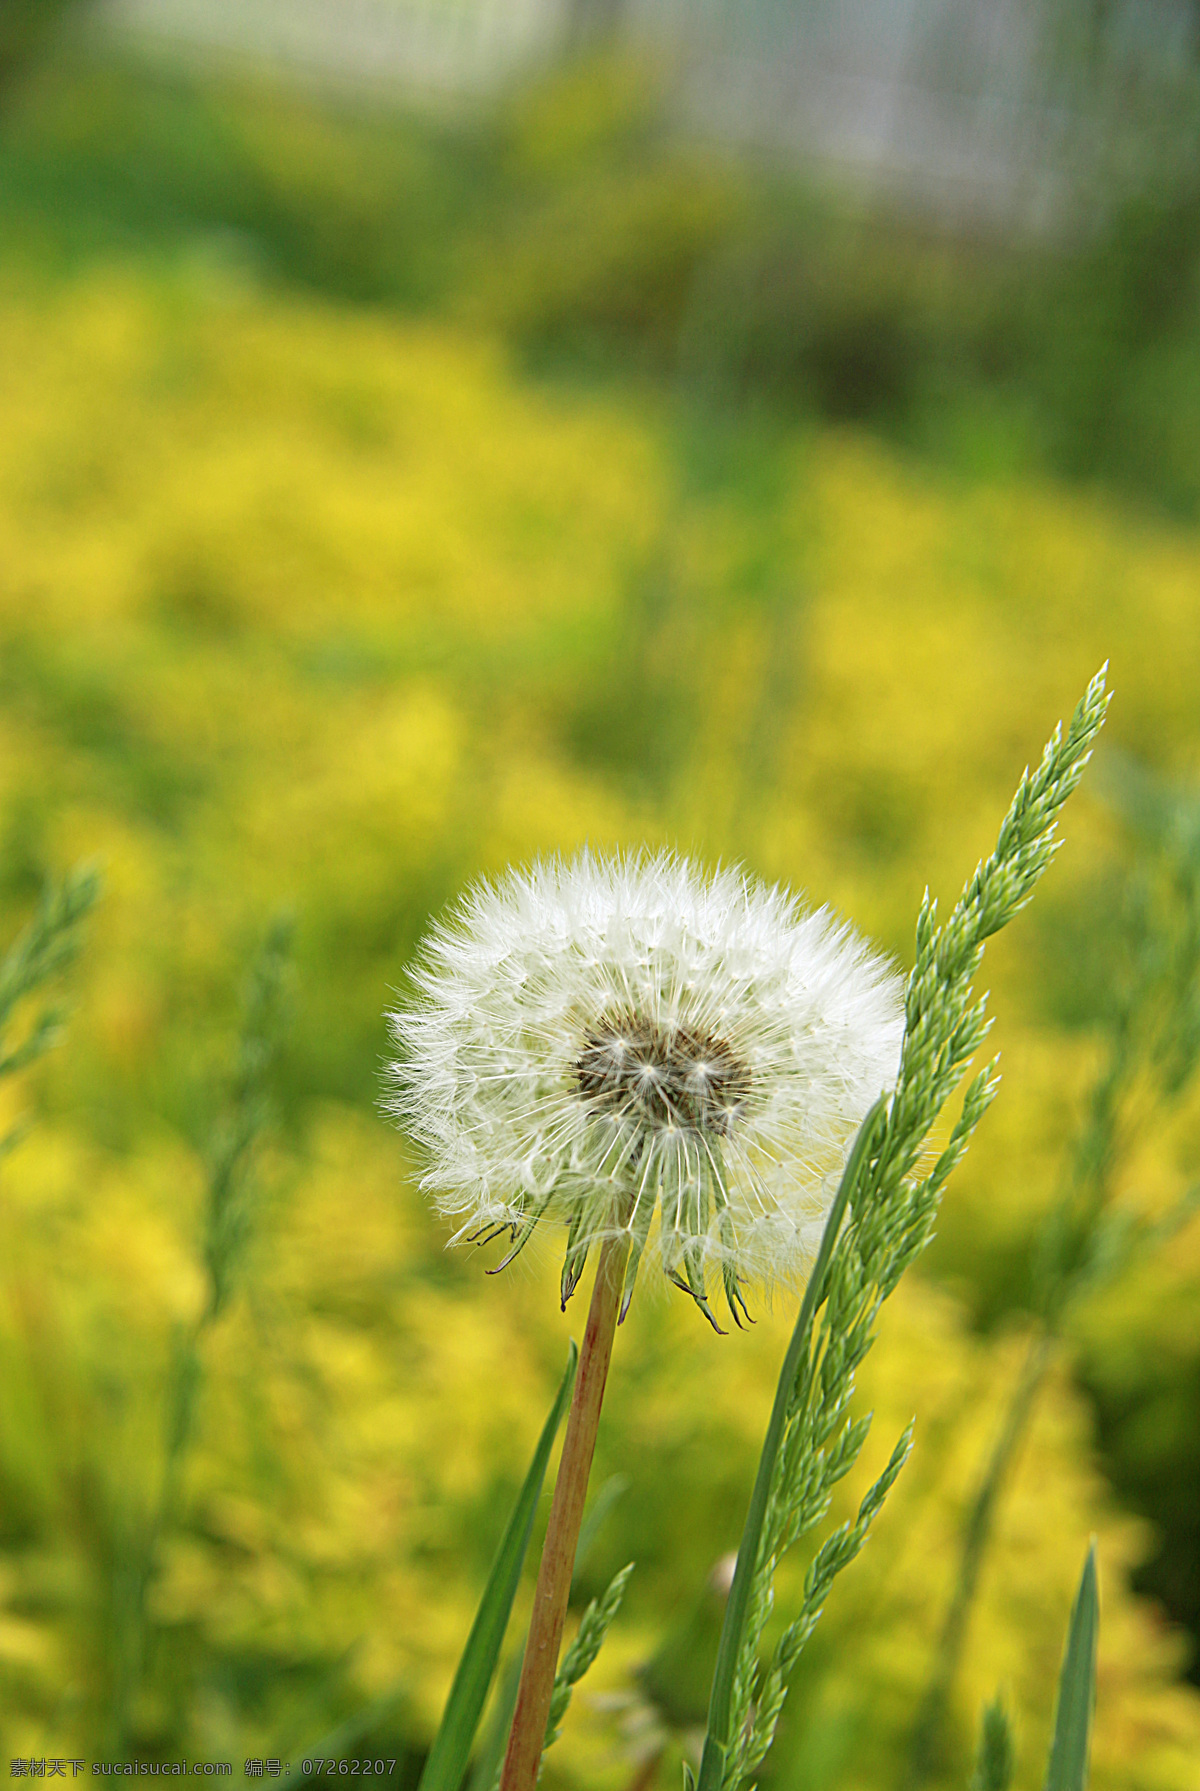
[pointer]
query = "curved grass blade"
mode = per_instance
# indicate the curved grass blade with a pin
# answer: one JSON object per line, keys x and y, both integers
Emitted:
{"x": 1068, "y": 1767}
{"x": 485, "y": 1774}
{"x": 451, "y": 1749}
{"x": 594, "y": 1518}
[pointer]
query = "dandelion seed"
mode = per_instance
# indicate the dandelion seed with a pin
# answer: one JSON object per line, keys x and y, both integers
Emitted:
{"x": 595, "y": 1042}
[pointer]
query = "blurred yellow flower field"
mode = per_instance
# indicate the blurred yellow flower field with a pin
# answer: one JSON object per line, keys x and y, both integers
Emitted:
{"x": 320, "y": 610}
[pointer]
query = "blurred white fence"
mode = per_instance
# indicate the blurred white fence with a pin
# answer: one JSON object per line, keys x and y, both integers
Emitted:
{"x": 440, "y": 47}
{"x": 934, "y": 98}
{"x": 967, "y": 106}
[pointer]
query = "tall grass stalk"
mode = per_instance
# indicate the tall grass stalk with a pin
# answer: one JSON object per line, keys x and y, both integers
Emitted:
{"x": 813, "y": 1441}
{"x": 228, "y": 1224}
{"x": 39, "y": 953}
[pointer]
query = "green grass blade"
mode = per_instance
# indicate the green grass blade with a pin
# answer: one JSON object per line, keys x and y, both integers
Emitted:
{"x": 1068, "y": 1768}
{"x": 995, "y": 1760}
{"x": 451, "y": 1749}
{"x": 485, "y": 1774}
{"x": 595, "y": 1517}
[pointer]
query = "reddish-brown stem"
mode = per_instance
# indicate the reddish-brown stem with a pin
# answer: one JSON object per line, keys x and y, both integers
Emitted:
{"x": 528, "y": 1734}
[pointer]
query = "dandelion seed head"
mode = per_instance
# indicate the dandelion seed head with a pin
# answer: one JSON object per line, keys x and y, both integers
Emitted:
{"x": 632, "y": 1044}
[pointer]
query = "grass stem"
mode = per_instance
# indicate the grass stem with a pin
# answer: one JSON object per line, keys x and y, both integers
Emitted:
{"x": 718, "y": 1737}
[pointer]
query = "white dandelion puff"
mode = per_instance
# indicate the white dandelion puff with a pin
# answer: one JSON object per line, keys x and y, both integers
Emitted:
{"x": 598, "y": 1042}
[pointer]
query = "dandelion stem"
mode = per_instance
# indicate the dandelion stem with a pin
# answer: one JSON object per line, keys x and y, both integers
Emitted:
{"x": 528, "y": 1735}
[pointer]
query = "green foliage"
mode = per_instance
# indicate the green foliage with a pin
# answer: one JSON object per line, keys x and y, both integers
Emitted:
{"x": 571, "y": 221}
{"x": 1153, "y": 1037}
{"x": 27, "y": 29}
{"x": 239, "y": 182}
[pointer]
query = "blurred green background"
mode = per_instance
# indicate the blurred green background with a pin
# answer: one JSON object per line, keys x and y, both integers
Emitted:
{"x": 388, "y": 493}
